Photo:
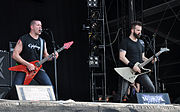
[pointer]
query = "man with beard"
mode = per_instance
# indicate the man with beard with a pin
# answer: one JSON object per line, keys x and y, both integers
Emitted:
{"x": 132, "y": 51}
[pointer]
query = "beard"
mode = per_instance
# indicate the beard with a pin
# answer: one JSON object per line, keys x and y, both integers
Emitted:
{"x": 136, "y": 35}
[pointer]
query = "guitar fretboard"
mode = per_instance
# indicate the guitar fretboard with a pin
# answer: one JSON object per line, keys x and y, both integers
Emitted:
{"x": 149, "y": 60}
{"x": 50, "y": 56}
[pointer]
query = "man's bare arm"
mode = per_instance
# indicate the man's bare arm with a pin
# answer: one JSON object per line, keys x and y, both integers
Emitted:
{"x": 143, "y": 57}
{"x": 122, "y": 57}
{"x": 16, "y": 56}
{"x": 46, "y": 54}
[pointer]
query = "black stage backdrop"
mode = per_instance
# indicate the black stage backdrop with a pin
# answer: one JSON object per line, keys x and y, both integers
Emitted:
{"x": 65, "y": 19}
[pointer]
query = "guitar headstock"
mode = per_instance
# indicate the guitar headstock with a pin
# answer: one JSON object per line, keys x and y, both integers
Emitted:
{"x": 67, "y": 45}
{"x": 164, "y": 50}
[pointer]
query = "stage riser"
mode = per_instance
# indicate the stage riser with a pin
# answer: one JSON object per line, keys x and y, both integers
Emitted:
{"x": 66, "y": 106}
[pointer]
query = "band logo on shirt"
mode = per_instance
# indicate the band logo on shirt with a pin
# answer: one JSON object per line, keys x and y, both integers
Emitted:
{"x": 32, "y": 46}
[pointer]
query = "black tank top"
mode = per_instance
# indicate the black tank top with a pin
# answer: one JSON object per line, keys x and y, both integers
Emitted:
{"x": 31, "y": 48}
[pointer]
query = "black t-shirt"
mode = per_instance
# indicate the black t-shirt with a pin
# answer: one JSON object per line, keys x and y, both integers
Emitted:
{"x": 31, "y": 48}
{"x": 133, "y": 50}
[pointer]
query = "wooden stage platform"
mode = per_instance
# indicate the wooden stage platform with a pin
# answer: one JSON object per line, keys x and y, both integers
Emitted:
{"x": 73, "y": 106}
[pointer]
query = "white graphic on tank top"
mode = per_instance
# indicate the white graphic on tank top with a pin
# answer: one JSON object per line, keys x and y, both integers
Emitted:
{"x": 33, "y": 46}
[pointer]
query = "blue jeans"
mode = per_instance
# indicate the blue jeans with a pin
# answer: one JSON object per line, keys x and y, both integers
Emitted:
{"x": 144, "y": 81}
{"x": 41, "y": 77}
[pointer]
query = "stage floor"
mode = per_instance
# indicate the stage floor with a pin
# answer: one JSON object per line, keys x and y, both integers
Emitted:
{"x": 73, "y": 106}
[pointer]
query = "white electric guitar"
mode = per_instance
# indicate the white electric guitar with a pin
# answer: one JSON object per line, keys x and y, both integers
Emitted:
{"x": 130, "y": 75}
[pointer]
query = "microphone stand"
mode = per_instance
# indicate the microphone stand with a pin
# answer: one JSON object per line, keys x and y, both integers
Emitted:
{"x": 55, "y": 66}
{"x": 153, "y": 49}
{"x": 155, "y": 67}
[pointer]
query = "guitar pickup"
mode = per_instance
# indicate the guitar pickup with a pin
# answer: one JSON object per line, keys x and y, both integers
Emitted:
{"x": 37, "y": 64}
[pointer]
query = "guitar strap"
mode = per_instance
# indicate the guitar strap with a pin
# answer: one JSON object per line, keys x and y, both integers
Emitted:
{"x": 41, "y": 49}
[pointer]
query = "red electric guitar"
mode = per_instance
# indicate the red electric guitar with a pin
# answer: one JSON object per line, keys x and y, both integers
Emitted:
{"x": 38, "y": 64}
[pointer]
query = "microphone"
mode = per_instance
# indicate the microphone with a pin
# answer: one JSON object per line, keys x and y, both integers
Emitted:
{"x": 142, "y": 35}
{"x": 44, "y": 30}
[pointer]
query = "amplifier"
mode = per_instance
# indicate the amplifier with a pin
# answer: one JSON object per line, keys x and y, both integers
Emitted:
{"x": 5, "y": 76}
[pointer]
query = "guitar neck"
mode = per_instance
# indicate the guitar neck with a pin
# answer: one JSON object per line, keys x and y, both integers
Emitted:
{"x": 149, "y": 60}
{"x": 50, "y": 56}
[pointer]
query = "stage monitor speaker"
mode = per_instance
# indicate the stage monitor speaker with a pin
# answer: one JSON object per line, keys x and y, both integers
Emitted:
{"x": 5, "y": 76}
{"x": 27, "y": 92}
{"x": 153, "y": 98}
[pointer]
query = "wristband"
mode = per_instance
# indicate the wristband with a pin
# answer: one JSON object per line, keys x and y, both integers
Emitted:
{"x": 131, "y": 65}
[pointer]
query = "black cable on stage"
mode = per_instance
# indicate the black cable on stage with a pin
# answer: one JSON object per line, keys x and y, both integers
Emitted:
{"x": 112, "y": 52}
